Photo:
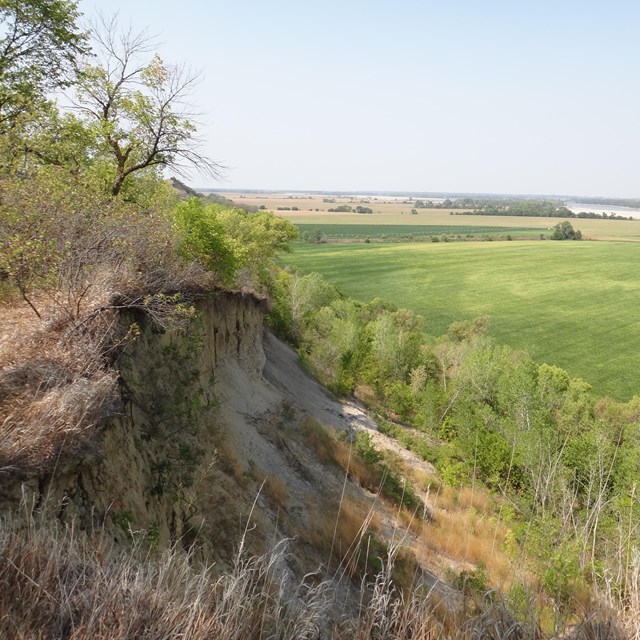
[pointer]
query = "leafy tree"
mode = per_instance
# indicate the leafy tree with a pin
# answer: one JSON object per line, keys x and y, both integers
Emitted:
{"x": 202, "y": 238}
{"x": 564, "y": 231}
{"x": 39, "y": 44}
{"x": 257, "y": 238}
{"x": 227, "y": 240}
{"x": 468, "y": 329}
{"x": 139, "y": 108}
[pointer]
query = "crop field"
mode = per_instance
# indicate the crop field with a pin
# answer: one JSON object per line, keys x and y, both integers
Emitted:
{"x": 573, "y": 304}
{"x": 408, "y": 231}
{"x": 313, "y": 210}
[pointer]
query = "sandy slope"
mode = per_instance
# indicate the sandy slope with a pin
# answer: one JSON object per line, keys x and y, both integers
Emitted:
{"x": 306, "y": 394}
{"x": 251, "y": 409}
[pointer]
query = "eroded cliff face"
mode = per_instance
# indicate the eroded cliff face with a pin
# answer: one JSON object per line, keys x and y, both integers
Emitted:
{"x": 214, "y": 445}
{"x": 157, "y": 469}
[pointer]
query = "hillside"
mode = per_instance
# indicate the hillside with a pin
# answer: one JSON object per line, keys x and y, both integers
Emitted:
{"x": 198, "y": 443}
{"x": 211, "y": 432}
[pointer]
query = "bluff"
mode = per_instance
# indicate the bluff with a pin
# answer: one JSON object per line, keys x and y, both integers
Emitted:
{"x": 213, "y": 433}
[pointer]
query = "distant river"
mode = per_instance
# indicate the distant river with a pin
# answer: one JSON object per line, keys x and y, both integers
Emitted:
{"x": 603, "y": 208}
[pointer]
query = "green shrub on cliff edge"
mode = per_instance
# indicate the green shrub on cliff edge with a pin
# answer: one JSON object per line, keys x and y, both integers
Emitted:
{"x": 230, "y": 241}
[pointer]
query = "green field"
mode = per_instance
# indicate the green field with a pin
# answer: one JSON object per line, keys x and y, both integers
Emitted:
{"x": 574, "y": 304}
{"x": 382, "y": 231}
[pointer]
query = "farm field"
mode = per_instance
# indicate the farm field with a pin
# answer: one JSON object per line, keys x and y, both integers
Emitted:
{"x": 388, "y": 211}
{"x": 397, "y": 232}
{"x": 573, "y": 304}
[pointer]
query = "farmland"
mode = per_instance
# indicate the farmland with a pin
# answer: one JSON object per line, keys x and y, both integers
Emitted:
{"x": 312, "y": 210}
{"x": 396, "y": 232}
{"x": 573, "y": 304}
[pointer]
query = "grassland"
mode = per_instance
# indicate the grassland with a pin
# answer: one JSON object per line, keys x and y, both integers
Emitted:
{"x": 574, "y": 304}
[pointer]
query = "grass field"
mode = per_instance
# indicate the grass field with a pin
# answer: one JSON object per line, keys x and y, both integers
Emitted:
{"x": 574, "y": 304}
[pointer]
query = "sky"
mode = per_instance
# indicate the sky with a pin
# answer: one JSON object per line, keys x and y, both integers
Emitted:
{"x": 473, "y": 96}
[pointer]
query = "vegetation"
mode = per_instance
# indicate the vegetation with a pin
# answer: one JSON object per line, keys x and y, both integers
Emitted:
{"x": 449, "y": 282}
{"x": 136, "y": 109}
{"x": 566, "y": 462}
{"x": 312, "y": 211}
{"x": 532, "y": 208}
{"x": 94, "y": 244}
{"x": 408, "y": 232}
{"x": 565, "y": 231}
{"x": 39, "y": 44}
{"x": 81, "y": 590}
{"x": 616, "y": 202}
{"x": 90, "y": 230}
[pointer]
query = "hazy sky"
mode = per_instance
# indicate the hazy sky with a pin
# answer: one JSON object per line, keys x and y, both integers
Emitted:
{"x": 513, "y": 96}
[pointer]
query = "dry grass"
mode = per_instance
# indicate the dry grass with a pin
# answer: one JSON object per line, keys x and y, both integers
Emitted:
{"x": 341, "y": 532}
{"x": 425, "y": 481}
{"x": 328, "y": 448}
{"x": 277, "y": 492}
{"x": 466, "y": 532}
{"x": 78, "y": 590}
{"x": 62, "y": 585}
{"x": 58, "y": 339}
{"x": 472, "y": 497}
{"x": 54, "y": 394}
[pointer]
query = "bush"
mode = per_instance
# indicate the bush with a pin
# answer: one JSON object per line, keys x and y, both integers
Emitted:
{"x": 202, "y": 238}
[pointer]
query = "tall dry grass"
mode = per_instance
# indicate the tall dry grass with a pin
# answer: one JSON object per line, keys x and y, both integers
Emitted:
{"x": 62, "y": 584}
{"x": 54, "y": 395}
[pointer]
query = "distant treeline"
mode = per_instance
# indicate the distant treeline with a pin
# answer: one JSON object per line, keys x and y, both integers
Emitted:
{"x": 345, "y": 208}
{"x": 523, "y": 208}
{"x": 615, "y": 202}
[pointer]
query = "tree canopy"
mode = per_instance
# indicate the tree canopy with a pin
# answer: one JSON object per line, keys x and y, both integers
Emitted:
{"x": 565, "y": 231}
{"x": 40, "y": 43}
{"x": 138, "y": 107}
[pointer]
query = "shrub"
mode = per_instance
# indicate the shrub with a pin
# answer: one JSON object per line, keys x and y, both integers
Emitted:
{"x": 202, "y": 238}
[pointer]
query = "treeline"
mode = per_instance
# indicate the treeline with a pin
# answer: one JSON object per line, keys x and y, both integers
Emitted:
{"x": 513, "y": 207}
{"x": 523, "y": 208}
{"x": 566, "y": 462}
{"x": 346, "y": 208}
{"x": 614, "y": 202}
{"x": 541, "y": 209}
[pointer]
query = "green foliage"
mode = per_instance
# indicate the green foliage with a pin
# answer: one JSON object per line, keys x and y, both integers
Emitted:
{"x": 474, "y": 580}
{"x": 566, "y": 465}
{"x": 399, "y": 399}
{"x": 202, "y": 238}
{"x": 468, "y": 329}
{"x": 39, "y": 43}
{"x": 257, "y": 238}
{"x": 365, "y": 449}
{"x": 565, "y": 231}
{"x": 403, "y": 232}
{"x": 123, "y": 518}
{"x": 392, "y": 485}
{"x": 461, "y": 281}
{"x": 229, "y": 241}
{"x": 562, "y": 576}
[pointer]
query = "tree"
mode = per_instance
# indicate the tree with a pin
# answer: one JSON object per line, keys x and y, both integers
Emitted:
{"x": 140, "y": 109}
{"x": 565, "y": 231}
{"x": 39, "y": 43}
